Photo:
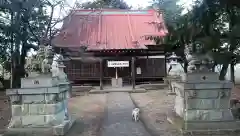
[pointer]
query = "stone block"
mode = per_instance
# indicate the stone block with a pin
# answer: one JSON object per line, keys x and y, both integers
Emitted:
{"x": 33, "y": 98}
{"x": 179, "y": 105}
{"x": 25, "y": 109}
{"x": 16, "y": 110}
{"x": 14, "y": 98}
{"x": 43, "y": 120}
{"x": 38, "y": 91}
{"x": 222, "y": 103}
{"x": 37, "y": 109}
{"x": 208, "y": 115}
{"x": 228, "y": 85}
{"x": 200, "y": 104}
{"x": 49, "y": 97}
{"x": 117, "y": 82}
{"x": 11, "y": 92}
{"x": 33, "y": 120}
{"x": 58, "y": 89}
{"x": 55, "y": 119}
{"x": 54, "y": 108}
{"x": 37, "y": 82}
{"x": 207, "y": 104}
{"x": 208, "y": 85}
{"x": 205, "y": 94}
{"x": 201, "y": 77}
{"x": 62, "y": 129}
{"x": 32, "y": 91}
{"x": 15, "y": 122}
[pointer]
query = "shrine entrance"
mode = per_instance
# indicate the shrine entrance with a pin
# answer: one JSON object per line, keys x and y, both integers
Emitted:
{"x": 120, "y": 71}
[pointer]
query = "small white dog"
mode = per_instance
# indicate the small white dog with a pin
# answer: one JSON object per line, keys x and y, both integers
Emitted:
{"x": 135, "y": 114}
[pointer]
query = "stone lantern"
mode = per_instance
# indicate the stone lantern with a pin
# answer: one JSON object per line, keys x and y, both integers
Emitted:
{"x": 173, "y": 73}
{"x": 173, "y": 62}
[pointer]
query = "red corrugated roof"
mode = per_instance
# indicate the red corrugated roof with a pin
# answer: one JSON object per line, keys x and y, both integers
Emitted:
{"x": 110, "y": 29}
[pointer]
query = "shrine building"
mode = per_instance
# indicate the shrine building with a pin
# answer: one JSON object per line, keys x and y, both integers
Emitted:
{"x": 118, "y": 46}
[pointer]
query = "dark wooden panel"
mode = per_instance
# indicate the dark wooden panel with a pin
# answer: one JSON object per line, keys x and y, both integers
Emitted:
{"x": 150, "y": 68}
{"x": 76, "y": 70}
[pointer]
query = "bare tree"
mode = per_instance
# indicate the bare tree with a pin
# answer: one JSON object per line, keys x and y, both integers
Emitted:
{"x": 64, "y": 10}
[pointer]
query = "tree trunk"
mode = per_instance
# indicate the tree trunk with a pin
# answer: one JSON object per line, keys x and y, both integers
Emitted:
{"x": 223, "y": 72}
{"x": 16, "y": 82}
{"x": 24, "y": 50}
{"x": 185, "y": 66}
{"x": 19, "y": 69}
{"x": 214, "y": 66}
{"x": 16, "y": 78}
{"x": 232, "y": 72}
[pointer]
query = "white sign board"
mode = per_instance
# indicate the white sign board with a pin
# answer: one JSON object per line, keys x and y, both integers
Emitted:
{"x": 139, "y": 70}
{"x": 118, "y": 64}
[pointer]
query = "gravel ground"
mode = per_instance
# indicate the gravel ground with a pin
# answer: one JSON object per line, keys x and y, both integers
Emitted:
{"x": 5, "y": 111}
{"x": 88, "y": 111}
{"x": 154, "y": 105}
{"x": 236, "y": 92}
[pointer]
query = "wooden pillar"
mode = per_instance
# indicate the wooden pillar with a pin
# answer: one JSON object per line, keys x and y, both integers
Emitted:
{"x": 165, "y": 66}
{"x": 101, "y": 74}
{"x": 133, "y": 72}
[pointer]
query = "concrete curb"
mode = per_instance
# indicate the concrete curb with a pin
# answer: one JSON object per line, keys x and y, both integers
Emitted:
{"x": 154, "y": 86}
{"x": 148, "y": 128}
{"x": 102, "y": 92}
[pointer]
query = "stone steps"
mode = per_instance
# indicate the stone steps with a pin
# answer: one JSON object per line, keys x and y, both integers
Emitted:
{"x": 153, "y": 86}
{"x": 122, "y": 89}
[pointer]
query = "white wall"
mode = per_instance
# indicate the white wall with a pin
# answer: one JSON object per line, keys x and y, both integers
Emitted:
{"x": 237, "y": 74}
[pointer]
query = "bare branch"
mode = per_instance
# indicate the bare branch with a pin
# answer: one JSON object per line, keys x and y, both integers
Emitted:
{"x": 30, "y": 28}
{"x": 49, "y": 24}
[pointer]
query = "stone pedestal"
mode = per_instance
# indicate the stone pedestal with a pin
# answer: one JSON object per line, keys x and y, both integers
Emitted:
{"x": 117, "y": 82}
{"x": 202, "y": 103}
{"x": 42, "y": 103}
{"x": 169, "y": 80}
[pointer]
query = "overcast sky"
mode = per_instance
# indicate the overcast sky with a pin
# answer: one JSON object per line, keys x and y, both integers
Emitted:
{"x": 133, "y": 3}
{"x": 137, "y": 3}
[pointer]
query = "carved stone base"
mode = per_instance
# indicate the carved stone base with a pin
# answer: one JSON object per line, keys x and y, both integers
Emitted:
{"x": 213, "y": 128}
{"x": 58, "y": 130}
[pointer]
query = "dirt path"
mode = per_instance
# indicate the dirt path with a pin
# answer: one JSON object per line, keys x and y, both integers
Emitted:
{"x": 118, "y": 120}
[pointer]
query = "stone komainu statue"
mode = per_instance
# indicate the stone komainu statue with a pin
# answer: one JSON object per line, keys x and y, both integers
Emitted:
{"x": 42, "y": 61}
{"x": 48, "y": 59}
{"x": 199, "y": 60}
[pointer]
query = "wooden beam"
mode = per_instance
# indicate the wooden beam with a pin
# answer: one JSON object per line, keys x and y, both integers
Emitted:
{"x": 133, "y": 72}
{"x": 101, "y": 74}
